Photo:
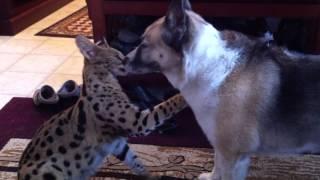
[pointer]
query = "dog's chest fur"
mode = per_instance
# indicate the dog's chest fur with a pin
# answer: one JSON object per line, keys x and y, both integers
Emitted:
{"x": 206, "y": 66}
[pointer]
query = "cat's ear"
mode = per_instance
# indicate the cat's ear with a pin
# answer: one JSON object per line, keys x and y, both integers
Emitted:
{"x": 87, "y": 48}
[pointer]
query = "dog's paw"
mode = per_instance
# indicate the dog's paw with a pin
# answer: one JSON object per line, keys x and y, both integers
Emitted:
{"x": 206, "y": 176}
{"x": 209, "y": 176}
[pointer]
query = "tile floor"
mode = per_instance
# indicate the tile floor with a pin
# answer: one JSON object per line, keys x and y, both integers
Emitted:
{"x": 27, "y": 62}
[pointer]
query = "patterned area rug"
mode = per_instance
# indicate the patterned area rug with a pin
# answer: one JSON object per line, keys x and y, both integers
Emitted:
{"x": 75, "y": 24}
{"x": 179, "y": 163}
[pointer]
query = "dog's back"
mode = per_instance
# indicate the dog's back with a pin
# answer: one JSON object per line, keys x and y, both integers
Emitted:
{"x": 282, "y": 94}
{"x": 290, "y": 120}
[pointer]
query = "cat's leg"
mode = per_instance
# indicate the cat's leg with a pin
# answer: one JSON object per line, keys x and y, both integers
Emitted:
{"x": 123, "y": 152}
{"x": 149, "y": 119}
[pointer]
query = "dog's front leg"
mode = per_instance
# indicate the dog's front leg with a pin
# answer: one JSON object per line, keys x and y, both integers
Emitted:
{"x": 232, "y": 165}
{"x": 228, "y": 166}
{"x": 215, "y": 174}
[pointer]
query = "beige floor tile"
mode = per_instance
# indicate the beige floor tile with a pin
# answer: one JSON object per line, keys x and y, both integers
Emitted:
{"x": 27, "y": 60}
{"x": 57, "y": 80}
{"x": 4, "y": 99}
{"x": 79, "y": 2}
{"x": 43, "y": 23}
{"x": 63, "y": 39}
{"x": 74, "y": 6}
{"x": 34, "y": 63}
{"x": 70, "y": 8}
{"x": 4, "y": 39}
{"x": 73, "y": 65}
{"x": 56, "y": 46}
{"x": 61, "y": 13}
{"x": 19, "y": 45}
{"x": 50, "y": 20}
{"x": 7, "y": 60}
{"x": 29, "y": 33}
{"x": 77, "y": 53}
{"x": 19, "y": 83}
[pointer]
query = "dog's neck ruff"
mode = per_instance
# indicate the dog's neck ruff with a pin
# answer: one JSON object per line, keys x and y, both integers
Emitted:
{"x": 207, "y": 61}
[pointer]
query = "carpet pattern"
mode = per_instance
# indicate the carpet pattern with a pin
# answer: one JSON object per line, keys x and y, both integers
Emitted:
{"x": 179, "y": 163}
{"x": 71, "y": 26}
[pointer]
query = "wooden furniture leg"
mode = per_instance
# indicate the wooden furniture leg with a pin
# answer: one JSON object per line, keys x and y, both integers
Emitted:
{"x": 313, "y": 36}
{"x": 317, "y": 37}
{"x": 98, "y": 18}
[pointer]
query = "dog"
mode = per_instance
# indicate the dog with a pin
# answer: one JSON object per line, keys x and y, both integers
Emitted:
{"x": 248, "y": 96}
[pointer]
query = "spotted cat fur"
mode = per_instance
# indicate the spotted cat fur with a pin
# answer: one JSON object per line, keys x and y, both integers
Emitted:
{"x": 72, "y": 144}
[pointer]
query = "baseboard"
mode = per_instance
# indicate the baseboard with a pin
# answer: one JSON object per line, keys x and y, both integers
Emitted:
{"x": 26, "y": 18}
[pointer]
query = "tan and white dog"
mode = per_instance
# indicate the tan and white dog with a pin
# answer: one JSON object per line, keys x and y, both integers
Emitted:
{"x": 247, "y": 96}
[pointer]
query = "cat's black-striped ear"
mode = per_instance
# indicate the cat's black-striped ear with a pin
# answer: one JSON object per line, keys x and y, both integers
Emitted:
{"x": 87, "y": 48}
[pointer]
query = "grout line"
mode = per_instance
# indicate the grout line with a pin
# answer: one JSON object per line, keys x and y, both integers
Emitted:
{"x": 54, "y": 70}
{"x": 27, "y": 93}
{"x": 46, "y": 75}
{"x": 64, "y": 74}
{"x": 8, "y": 94}
{"x": 65, "y": 57}
{"x": 5, "y": 41}
{"x": 24, "y": 55}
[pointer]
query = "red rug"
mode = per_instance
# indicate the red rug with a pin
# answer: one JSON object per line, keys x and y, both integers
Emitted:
{"x": 71, "y": 26}
{"x": 20, "y": 119}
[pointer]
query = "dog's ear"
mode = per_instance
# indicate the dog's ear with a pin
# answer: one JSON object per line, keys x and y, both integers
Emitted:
{"x": 87, "y": 48}
{"x": 176, "y": 24}
{"x": 187, "y": 5}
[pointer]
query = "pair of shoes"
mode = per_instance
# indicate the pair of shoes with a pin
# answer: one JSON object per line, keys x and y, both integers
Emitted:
{"x": 47, "y": 95}
{"x": 69, "y": 89}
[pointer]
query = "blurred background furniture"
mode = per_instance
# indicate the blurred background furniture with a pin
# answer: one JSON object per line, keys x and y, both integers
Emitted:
{"x": 299, "y": 29}
{"x": 16, "y": 15}
{"x": 99, "y": 10}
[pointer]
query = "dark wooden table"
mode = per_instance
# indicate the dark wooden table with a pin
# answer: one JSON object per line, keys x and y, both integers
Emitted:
{"x": 99, "y": 10}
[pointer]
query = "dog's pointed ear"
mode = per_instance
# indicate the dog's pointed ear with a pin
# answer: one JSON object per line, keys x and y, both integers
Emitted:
{"x": 176, "y": 24}
{"x": 187, "y": 5}
{"x": 87, "y": 48}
